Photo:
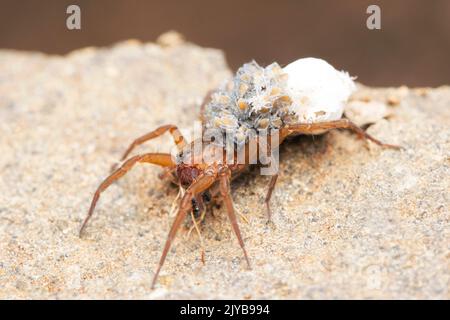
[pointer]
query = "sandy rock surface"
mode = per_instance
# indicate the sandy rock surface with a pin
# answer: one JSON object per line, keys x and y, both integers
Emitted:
{"x": 349, "y": 221}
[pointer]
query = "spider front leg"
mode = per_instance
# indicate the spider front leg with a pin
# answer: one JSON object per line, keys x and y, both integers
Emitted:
{"x": 203, "y": 182}
{"x": 161, "y": 159}
{"x": 311, "y": 128}
{"x": 173, "y": 130}
{"x": 225, "y": 192}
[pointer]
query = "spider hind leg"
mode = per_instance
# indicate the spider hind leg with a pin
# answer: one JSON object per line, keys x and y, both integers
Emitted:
{"x": 311, "y": 128}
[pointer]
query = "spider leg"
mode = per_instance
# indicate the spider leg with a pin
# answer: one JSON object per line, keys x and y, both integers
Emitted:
{"x": 272, "y": 183}
{"x": 274, "y": 177}
{"x": 225, "y": 192}
{"x": 203, "y": 182}
{"x": 161, "y": 159}
{"x": 311, "y": 128}
{"x": 173, "y": 130}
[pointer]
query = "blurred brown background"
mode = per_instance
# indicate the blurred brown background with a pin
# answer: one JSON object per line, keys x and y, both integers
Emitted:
{"x": 412, "y": 48}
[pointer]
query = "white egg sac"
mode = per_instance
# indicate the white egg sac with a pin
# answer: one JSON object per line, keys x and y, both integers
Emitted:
{"x": 318, "y": 91}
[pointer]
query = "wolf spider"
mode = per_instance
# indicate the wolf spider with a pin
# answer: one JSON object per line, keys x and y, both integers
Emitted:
{"x": 201, "y": 179}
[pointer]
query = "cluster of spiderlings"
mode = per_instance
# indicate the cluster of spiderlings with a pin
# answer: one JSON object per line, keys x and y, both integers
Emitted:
{"x": 255, "y": 99}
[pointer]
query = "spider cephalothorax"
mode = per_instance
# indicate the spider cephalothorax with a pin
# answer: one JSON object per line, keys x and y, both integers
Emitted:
{"x": 305, "y": 97}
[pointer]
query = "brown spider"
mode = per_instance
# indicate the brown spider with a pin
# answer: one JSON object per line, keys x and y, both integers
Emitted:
{"x": 206, "y": 172}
